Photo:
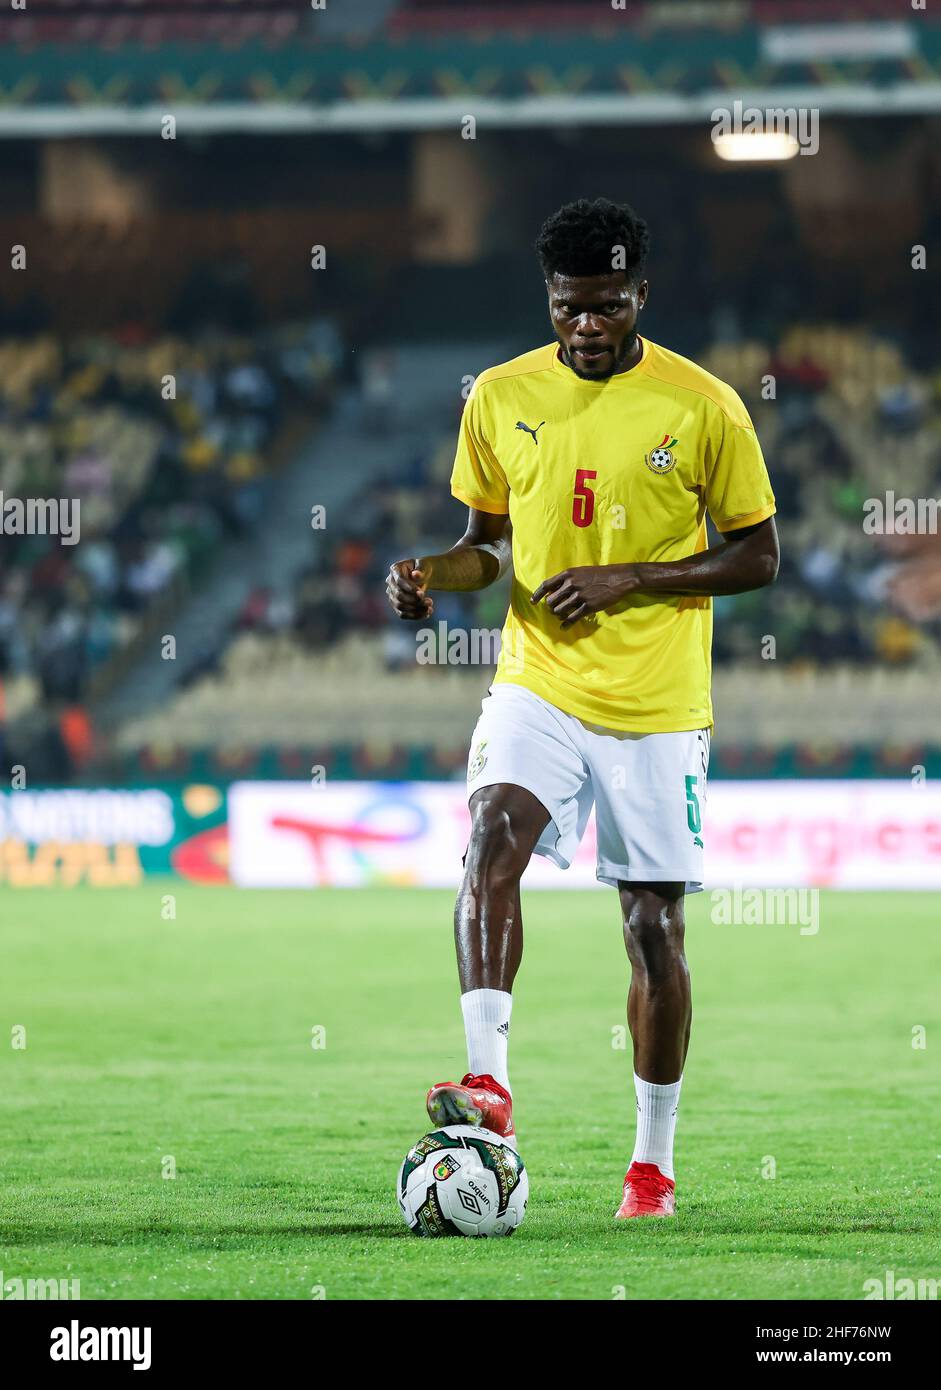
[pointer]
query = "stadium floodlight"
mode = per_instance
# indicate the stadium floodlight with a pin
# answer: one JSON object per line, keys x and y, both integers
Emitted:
{"x": 753, "y": 146}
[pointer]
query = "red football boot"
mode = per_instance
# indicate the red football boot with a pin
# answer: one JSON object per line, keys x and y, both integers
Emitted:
{"x": 478, "y": 1100}
{"x": 647, "y": 1192}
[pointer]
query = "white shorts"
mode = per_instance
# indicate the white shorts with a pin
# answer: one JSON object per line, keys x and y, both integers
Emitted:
{"x": 648, "y": 789}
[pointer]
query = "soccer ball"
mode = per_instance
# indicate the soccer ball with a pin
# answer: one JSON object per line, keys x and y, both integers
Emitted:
{"x": 462, "y": 1181}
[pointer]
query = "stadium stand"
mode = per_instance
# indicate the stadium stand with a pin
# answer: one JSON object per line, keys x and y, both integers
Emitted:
{"x": 168, "y": 447}
{"x": 323, "y": 657}
{"x": 137, "y": 246}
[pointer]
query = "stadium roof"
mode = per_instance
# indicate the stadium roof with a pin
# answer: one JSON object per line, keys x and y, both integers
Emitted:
{"x": 293, "y": 75}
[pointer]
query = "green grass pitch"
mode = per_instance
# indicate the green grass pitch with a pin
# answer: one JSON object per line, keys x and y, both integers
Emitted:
{"x": 154, "y": 1045}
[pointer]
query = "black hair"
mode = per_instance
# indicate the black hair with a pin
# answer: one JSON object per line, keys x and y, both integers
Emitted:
{"x": 583, "y": 238}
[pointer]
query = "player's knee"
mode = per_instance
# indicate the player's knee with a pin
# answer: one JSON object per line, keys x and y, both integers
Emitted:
{"x": 653, "y": 934}
{"x": 499, "y": 850}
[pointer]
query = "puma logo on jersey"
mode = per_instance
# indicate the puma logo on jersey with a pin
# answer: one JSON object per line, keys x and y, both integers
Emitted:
{"x": 520, "y": 426}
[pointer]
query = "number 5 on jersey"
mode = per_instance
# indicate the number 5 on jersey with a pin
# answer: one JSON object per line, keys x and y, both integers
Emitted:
{"x": 583, "y": 503}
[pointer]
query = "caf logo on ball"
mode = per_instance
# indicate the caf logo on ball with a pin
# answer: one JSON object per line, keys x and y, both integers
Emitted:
{"x": 661, "y": 460}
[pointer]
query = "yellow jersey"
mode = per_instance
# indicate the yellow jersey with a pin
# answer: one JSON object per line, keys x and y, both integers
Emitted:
{"x": 604, "y": 473}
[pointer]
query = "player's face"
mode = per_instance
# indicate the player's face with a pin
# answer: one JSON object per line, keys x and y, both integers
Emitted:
{"x": 595, "y": 320}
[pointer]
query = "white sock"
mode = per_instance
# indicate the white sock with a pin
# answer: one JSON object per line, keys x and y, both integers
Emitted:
{"x": 656, "y": 1123}
{"x": 486, "y": 1027}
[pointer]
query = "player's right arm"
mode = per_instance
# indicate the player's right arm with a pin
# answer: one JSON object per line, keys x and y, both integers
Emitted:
{"x": 478, "y": 559}
{"x": 483, "y": 552}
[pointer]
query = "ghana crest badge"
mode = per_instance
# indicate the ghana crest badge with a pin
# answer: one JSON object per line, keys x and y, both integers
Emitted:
{"x": 661, "y": 460}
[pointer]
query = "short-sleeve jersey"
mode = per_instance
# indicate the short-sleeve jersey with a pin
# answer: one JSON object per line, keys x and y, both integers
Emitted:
{"x": 602, "y": 473}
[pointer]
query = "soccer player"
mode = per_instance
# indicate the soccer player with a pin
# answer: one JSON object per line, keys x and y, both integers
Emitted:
{"x": 591, "y": 463}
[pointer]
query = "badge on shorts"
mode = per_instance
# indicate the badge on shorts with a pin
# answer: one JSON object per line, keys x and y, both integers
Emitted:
{"x": 476, "y": 765}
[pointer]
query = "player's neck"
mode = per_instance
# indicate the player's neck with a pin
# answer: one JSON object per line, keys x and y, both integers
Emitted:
{"x": 633, "y": 357}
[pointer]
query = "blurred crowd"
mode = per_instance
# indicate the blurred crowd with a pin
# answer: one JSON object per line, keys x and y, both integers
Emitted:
{"x": 172, "y": 446}
{"x": 842, "y": 418}
{"x": 167, "y": 447}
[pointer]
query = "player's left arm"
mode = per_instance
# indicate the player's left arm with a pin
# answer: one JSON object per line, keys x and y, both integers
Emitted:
{"x": 747, "y": 559}
{"x": 738, "y": 495}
